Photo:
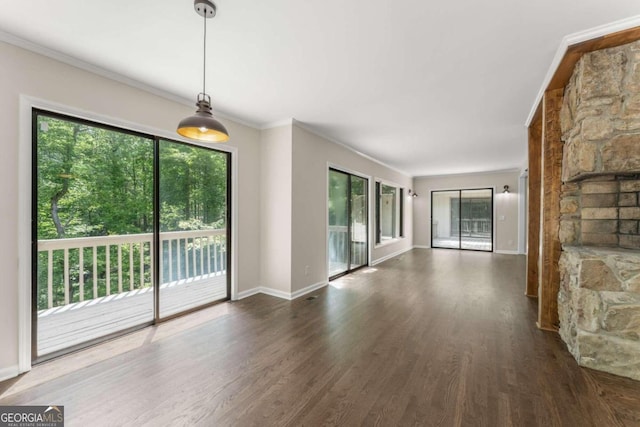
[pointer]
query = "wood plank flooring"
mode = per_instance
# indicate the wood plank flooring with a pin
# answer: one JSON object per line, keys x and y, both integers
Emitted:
{"x": 434, "y": 337}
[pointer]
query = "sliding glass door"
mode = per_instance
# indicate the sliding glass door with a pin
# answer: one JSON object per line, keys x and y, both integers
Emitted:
{"x": 124, "y": 223}
{"x": 348, "y": 222}
{"x": 462, "y": 219}
{"x": 193, "y": 226}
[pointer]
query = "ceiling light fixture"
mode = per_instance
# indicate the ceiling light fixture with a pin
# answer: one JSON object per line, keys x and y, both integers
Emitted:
{"x": 202, "y": 126}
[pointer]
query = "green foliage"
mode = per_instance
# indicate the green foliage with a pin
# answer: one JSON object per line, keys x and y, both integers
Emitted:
{"x": 93, "y": 181}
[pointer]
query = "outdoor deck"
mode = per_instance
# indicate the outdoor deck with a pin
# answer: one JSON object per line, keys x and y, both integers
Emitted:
{"x": 72, "y": 324}
{"x": 473, "y": 243}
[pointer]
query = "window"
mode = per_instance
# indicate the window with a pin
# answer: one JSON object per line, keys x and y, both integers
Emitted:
{"x": 389, "y": 212}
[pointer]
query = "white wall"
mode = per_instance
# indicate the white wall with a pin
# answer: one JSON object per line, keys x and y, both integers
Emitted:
{"x": 275, "y": 208}
{"x": 312, "y": 155}
{"x": 506, "y": 205}
{"x": 25, "y": 73}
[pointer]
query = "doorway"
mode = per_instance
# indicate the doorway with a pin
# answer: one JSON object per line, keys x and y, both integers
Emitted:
{"x": 128, "y": 229}
{"x": 348, "y": 235}
{"x": 462, "y": 219}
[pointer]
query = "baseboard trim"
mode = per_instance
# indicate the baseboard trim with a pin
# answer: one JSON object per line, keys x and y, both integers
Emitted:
{"x": 395, "y": 254}
{"x": 309, "y": 289}
{"x": 8, "y": 373}
{"x": 281, "y": 294}
{"x": 246, "y": 294}
{"x": 508, "y": 252}
{"x": 421, "y": 247}
{"x": 275, "y": 292}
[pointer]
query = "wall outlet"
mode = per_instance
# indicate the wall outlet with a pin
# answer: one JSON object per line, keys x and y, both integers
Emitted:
{"x": 501, "y": 218}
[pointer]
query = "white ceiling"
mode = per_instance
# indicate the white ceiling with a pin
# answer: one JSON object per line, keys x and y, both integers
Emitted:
{"x": 426, "y": 87}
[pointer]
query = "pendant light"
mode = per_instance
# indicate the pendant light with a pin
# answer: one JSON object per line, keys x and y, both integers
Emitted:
{"x": 202, "y": 126}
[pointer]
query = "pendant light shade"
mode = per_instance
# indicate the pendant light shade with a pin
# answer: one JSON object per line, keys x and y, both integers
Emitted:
{"x": 202, "y": 126}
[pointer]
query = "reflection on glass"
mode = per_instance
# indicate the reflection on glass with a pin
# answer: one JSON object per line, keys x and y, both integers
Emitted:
{"x": 193, "y": 228}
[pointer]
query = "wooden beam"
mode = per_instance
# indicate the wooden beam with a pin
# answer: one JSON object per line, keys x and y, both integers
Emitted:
{"x": 574, "y": 53}
{"x": 550, "y": 247}
{"x": 533, "y": 204}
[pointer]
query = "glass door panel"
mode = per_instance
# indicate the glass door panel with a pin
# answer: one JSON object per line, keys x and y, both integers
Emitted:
{"x": 338, "y": 206}
{"x": 92, "y": 232}
{"x": 358, "y": 222}
{"x": 476, "y": 219}
{"x": 193, "y": 227}
{"x": 445, "y": 219}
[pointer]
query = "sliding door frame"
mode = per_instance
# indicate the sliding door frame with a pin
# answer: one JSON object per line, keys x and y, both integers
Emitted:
{"x": 27, "y": 201}
{"x": 349, "y": 174}
{"x": 460, "y": 191}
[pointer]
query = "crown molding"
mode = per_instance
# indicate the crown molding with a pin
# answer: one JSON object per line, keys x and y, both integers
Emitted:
{"x": 573, "y": 39}
{"x": 316, "y": 132}
{"x": 277, "y": 124}
{"x": 500, "y": 171}
{"x": 111, "y": 75}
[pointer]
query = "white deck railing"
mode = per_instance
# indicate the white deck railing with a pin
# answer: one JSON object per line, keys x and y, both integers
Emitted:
{"x": 184, "y": 255}
{"x": 339, "y": 243}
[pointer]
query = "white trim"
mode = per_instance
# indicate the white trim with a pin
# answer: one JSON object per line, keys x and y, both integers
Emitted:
{"x": 308, "y": 289}
{"x": 310, "y": 129}
{"x": 386, "y": 257}
{"x": 27, "y": 103}
{"x": 507, "y": 252}
{"x": 421, "y": 247}
{"x": 275, "y": 293}
{"x": 575, "y": 38}
{"x": 24, "y": 234}
{"x": 8, "y": 373}
{"x": 111, "y": 75}
{"x": 339, "y": 168}
{"x": 234, "y": 222}
{"x": 277, "y": 124}
{"x": 282, "y": 294}
{"x": 248, "y": 293}
{"x": 451, "y": 175}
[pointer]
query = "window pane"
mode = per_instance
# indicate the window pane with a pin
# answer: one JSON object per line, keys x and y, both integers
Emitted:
{"x": 445, "y": 220}
{"x": 338, "y": 223}
{"x": 476, "y": 219}
{"x": 359, "y": 221}
{"x": 94, "y": 223}
{"x": 193, "y": 228}
{"x": 388, "y": 213}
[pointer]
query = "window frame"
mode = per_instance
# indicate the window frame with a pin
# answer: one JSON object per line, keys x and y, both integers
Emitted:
{"x": 399, "y": 211}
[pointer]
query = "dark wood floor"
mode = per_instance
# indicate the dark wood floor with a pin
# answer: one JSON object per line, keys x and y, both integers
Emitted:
{"x": 434, "y": 337}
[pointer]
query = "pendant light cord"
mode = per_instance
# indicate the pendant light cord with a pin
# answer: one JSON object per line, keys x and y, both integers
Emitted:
{"x": 204, "y": 56}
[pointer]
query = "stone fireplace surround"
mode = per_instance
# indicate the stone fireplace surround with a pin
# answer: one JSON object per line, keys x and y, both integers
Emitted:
{"x": 599, "y": 298}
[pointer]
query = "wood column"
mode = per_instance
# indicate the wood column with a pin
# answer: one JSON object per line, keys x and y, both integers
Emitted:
{"x": 550, "y": 247}
{"x": 533, "y": 205}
